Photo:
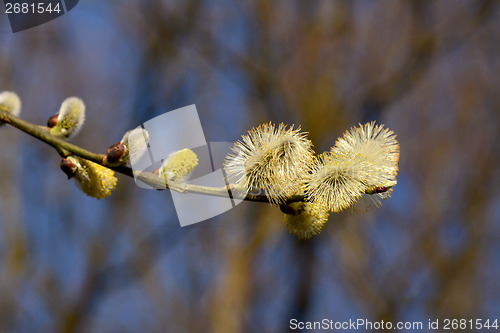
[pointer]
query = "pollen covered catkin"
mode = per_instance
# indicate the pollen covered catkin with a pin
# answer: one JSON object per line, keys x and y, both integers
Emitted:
{"x": 93, "y": 179}
{"x": 273, "y": 158}
{"x": 179, "y": 165}
{"x": 306, "y": 219}
{"x": 366, "y": 156}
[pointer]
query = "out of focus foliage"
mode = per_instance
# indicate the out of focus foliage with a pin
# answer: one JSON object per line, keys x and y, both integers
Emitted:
{"x": 427, "y": 69}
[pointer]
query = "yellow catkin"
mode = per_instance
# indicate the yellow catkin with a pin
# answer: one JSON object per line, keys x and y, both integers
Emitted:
{"x": 93, "y": 179}
{"x": 307, "y": 220}
{"x": 179, "y": 165}
{"x": 273, "y": 158}
{"x": 366, "y": 156}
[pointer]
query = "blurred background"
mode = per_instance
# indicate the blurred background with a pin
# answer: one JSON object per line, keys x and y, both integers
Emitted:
{"x": 429, "y": 70}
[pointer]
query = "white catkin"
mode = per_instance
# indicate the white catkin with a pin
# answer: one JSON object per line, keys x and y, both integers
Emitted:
{"x": 11, "y": 101}
{"x": 70, "y": 119}
{"x": 136, "y": 144}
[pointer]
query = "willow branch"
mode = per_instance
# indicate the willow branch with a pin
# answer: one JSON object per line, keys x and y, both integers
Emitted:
{"x": 66, "y": 149}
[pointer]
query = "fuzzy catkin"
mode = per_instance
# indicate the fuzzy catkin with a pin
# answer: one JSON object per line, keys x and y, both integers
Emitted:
{"x": 273, "y": 158}
{"x": 136, "y": 144}
{"x": 307, "y": 219}
{"x": 179, "y": 165}
{"x": 11, "y": 102}
{"x": 70, "y": 119}
{"x": 93, "y": 179}
{"x": 364, "y": 157}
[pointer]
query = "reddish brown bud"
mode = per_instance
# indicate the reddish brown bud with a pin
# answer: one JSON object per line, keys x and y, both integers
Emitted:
{"x": 114, "y": 152}
{"x": 52, "y": 121}
{"x": 68, "y": 167}
{"x": 380, "y": 189}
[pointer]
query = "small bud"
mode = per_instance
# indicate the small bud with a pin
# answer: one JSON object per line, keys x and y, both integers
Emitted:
{"x": 376, "y": 193}
{"x": 68, "y": 167}
{"x": 380, "y": 189}
{"x": 10, "y": 101}
{"x": 114, "y": 153}
{"x": 130, "y": 149}
{"x": 179, "y": 165}
{"x": 306, "y": 219}
{"x": 71, "y": 118}
{"x": 390, "y": 184}
{"x": 52, "y": 121}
